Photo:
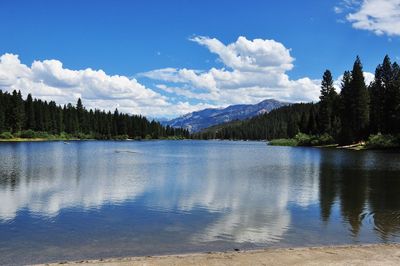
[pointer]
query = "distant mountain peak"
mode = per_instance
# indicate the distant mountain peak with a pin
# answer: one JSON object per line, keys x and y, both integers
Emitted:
{"x": 196, "y": 121}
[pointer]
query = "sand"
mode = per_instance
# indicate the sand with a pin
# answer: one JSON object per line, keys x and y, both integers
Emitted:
{"x": 383, "y": 254}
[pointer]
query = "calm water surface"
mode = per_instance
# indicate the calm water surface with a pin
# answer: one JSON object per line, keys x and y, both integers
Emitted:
{"x": 108, "y": 199}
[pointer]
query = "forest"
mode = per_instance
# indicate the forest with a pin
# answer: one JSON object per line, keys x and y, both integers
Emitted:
{"x": 359, "y": 112}
{"x": 34, "y": 118}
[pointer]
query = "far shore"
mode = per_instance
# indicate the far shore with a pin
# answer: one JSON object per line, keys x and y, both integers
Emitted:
{"x": 379, "y": 254}
{"x": 75, "y": 139}
{"x": 34, "y": 140}
{"x": 361, "y": 146}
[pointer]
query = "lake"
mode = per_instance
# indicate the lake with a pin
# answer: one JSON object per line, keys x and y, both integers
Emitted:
{"x": 97, "y": 199}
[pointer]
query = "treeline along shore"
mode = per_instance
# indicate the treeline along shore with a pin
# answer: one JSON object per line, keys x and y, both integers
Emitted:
{"x": 37, "y": 119}
{"x": 359, "y": 113}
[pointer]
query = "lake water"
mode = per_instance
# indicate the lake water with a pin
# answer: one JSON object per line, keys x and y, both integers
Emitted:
{"x": 95, "y": 199}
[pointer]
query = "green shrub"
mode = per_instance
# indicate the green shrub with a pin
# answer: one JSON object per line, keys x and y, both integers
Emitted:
{"x": 81, "y": 135}
{"x": 42, "y": 135}
{"x": 380, "y": 141}
{"x": 64, "y": 135}
{"x": 325, "y": 139}
{"x": 6, "y": 135}
{"x": 121, "y": 137}
{"x": 313, "y": 140}
{"x": 27, "y": 134}
{"x": 283, "y": 142}
{"x": 303, "y": 139}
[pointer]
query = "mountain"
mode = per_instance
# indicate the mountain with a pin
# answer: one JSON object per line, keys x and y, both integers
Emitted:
{"x": 199, "y": 120}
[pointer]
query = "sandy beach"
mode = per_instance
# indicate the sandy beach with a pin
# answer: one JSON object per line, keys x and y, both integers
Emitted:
{"x": 382, "y": 254}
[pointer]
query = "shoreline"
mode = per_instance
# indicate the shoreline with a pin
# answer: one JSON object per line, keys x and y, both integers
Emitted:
{"x": 13, "y": 140}
{"x": 35, "y": 140}
{"x": 369, "y": 254}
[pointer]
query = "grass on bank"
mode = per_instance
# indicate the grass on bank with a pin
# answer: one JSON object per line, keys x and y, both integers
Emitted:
{"x": 283, "y": 142}
{"x": 302, "y": 139}
{"x": 30, "y": 135}
{"x": 378, "y": 141}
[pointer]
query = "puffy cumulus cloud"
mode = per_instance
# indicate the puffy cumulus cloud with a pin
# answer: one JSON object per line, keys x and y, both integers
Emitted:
{"x": 49, "y": 80}
{"x": 254, "y": 70}
{"x": 247, "y": 55}
{"x": 379, "y": 16}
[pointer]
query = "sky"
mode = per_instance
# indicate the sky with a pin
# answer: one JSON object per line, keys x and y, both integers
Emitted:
{"x": 167, "y": 58}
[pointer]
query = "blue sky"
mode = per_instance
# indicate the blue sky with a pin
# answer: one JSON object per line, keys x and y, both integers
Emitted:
{"x": 165, "y": 58}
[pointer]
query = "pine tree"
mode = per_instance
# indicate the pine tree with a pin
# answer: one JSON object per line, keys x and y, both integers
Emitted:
{"x": 304, "y": 120}
{"x": 46, "y": 117}
{"x": 328, "y": 99}
{"x": 17, "y": 111}
{"x": 115, "y": 119}
{"x": 312, "y": 121}
{"x": 360, "y": 112}
{"x": 396, "y": 93}
{"x": 29, "y": 113}
{"x": 391, "y": 99}
{"x": 80, "y": 111}
{"x": 292, "y": 127}
{"x": 38, "y": 115}
{"x": 346, "y": 110}
{"x": 377, "y": 97}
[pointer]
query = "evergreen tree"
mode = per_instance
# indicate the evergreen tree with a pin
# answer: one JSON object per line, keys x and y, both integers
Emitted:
{"x": 29, "y": 113}
{"x": 396, "y": 96}
{"x": 17, "y": 111}
{"x": 377, "y": 107}
{"x": 80, "y": 112}
{"x": 304, "y": 120}
{"x": 346, "y": 112}
{"x": 328, "y": 99}
{"x": 312, "y": 122}
{"x": 115, "y": 119}
{"x": 360, "y": 102}
{"x": 391, "y": 99}
{"x": 38, "y": 115}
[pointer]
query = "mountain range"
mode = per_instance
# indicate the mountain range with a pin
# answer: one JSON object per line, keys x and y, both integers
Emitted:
{"x": 196, "y": 121}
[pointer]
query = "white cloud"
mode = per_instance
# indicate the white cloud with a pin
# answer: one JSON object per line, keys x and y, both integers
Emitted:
{"x": 378, "y": 16}
{"x": 338, "y": 10}
{"x": 368, "y": 77}
{"x": 49, "y": 80}
{"x": 255, "y": 70}
{"x": 246, "y": 55}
